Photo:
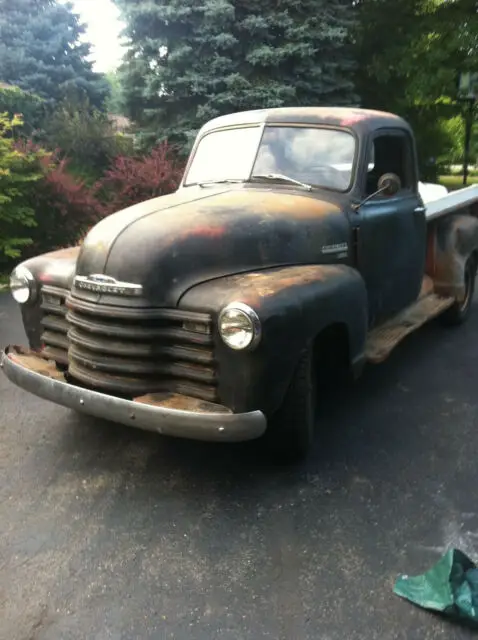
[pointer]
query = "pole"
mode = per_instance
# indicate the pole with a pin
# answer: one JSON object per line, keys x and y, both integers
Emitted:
{"x": 468, "y": 129}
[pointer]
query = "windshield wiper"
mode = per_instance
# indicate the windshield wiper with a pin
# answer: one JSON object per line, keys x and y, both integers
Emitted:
{"x": 205, "y": 183}
{"x": 280, "y": 176}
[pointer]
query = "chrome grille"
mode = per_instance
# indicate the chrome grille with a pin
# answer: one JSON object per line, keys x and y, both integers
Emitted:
{"x": 130, "y": 351}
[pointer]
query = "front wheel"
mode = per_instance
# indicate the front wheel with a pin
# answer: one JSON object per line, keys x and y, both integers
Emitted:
{"x": 460, "y": 311}
{"x": 290, "y": 434}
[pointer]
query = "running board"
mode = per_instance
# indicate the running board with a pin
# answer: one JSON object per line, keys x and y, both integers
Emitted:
{"x": 382, "y": 340}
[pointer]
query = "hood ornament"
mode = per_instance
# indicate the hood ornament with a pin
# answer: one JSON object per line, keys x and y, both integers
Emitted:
{"x": 100, "y": 283}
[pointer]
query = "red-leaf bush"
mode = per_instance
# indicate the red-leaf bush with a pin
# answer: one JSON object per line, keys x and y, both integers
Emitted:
{"x": 64, "y": 206}
{"x": 135, "y": 179}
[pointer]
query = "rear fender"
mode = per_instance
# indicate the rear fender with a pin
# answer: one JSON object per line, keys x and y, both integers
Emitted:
{"x": 451, "y": 241}
{"x": 294, "y": 304}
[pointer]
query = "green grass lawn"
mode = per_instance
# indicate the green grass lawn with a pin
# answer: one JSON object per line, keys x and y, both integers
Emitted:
{"x": 456, "y": 182}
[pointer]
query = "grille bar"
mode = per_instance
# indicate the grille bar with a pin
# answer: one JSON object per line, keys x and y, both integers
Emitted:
{"x": 132, "y": 313}
{"x": 134, "y": 331}
{"x": 118, "y": 365}
{"x": 54, "y": 336}
{"x": 189, "y": 353}
{"x": 56, "y": 339}
{"x": 56, "y": 323}
{"x": 133, "y": 386}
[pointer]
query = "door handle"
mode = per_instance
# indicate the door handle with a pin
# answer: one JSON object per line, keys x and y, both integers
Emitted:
{"x": 419, "y": 210}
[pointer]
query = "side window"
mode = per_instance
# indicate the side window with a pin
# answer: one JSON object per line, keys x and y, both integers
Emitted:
{"x": 390, "y": 153}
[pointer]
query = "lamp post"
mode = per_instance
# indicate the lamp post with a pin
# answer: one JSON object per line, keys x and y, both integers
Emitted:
{"x": 468, "y": 93}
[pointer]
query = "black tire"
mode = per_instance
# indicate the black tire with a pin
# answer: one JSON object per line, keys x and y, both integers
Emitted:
{"x": 290, "y": 434}
{"x": 460, "y": 311}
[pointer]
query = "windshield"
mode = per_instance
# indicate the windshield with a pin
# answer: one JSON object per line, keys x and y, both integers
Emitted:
{"x": 312, "y": 155}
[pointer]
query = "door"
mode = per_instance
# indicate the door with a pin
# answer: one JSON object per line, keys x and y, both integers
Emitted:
{"x": 392, "y": 230}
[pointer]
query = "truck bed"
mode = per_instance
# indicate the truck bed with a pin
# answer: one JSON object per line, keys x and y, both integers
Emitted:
{"x": 454, "y": 200}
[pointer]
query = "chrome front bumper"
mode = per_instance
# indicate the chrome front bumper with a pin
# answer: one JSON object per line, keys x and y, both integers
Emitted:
{"x": 19, "y": 366}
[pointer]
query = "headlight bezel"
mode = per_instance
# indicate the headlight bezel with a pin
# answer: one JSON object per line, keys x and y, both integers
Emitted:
{"x": 24, "y": 274}
{"x": 252, "y": 317}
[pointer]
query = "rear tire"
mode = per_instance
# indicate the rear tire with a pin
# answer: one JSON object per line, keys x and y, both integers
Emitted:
{"x": 290, "y": 434}
{"x": 460, "y": 311}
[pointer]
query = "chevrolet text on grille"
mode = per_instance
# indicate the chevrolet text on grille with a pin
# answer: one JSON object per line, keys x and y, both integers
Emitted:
{"x": 99, "y": 283}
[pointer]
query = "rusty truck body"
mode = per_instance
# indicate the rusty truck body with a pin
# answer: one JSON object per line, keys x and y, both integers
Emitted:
{"x": 297, "y": 248}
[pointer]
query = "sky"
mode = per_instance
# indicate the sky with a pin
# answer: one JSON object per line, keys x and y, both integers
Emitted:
{"x": 102, "y": 20}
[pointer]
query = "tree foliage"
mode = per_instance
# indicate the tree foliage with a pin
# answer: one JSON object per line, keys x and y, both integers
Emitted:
{"x": 115, "y": 102}
{"x": 412, "y": 50}
{"x": 409, "y": 53}
{"x": 83, "y": 134}
{"x": 188, "y": 61}
{"x": 19, "y": 171}
{"x": 32, "y": 108}
{"x": 41, "y": 51}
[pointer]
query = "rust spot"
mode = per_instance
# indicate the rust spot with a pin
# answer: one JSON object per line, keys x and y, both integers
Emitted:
{"x": 345, "y": 116}
{"x": 63, "y": 254}
{"x": 209, "y": 231}
{"x": 426, "y": 288}
{"x": 267, "y": 204}
{"x": 382, "y": 340}
{"x": 430, "y": 255}
{"x": 59, "y": 263}
{"x": 255, "y": 287}
{"x": 334, "y": 113}
{"x": 352, "y": 118}
{"x": 180, "y": 402}
{"x": 35, "y": 361}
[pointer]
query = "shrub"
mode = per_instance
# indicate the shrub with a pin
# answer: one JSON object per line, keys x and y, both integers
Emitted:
{"x": 19, "y": 173}
{"x": 83, "y": 134}
{"x": 30, "y": 106}
{"x": 65, "y": 207}
{"x": 62, "y": 206}
{"x": 134, "y": 179}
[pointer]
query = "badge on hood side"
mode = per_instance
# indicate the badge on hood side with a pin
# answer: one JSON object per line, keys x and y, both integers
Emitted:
{"x": 99, "y": 283}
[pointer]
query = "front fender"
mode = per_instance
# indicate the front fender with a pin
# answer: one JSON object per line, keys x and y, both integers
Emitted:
{"x": 294, "y": 305}
{"x": 56, "y": 268}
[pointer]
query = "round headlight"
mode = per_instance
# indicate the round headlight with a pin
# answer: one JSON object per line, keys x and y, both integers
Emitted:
{"x": 22, "y": 285}
{"x": 239, "y": 326}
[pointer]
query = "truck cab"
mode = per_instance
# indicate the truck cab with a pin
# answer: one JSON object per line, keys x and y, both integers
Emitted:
{"x": 296, "y": 248}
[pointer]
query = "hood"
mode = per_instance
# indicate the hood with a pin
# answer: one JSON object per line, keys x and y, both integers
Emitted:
{"x": 171, "y": 243}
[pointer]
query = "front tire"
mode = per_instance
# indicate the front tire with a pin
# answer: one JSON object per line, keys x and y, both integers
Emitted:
{"x": 459, "y": 313}
{"x": 290, "y": 435}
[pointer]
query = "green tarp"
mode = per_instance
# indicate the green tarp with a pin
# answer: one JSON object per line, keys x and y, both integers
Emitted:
{"x": 450, "y": 587}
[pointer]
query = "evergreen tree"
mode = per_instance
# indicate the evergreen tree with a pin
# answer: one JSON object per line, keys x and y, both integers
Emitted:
{"x": 191, "y": 60}
{"x": 41, "y": 52}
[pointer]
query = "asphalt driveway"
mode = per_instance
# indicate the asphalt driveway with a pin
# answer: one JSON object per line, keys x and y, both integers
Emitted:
{"x": 111, "y": 533}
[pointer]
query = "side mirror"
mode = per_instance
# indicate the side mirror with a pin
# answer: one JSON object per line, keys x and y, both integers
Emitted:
{"x": 389, "y": 184}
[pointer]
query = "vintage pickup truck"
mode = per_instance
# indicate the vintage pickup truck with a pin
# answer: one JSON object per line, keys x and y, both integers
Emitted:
{"x": 296, "y": 249}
